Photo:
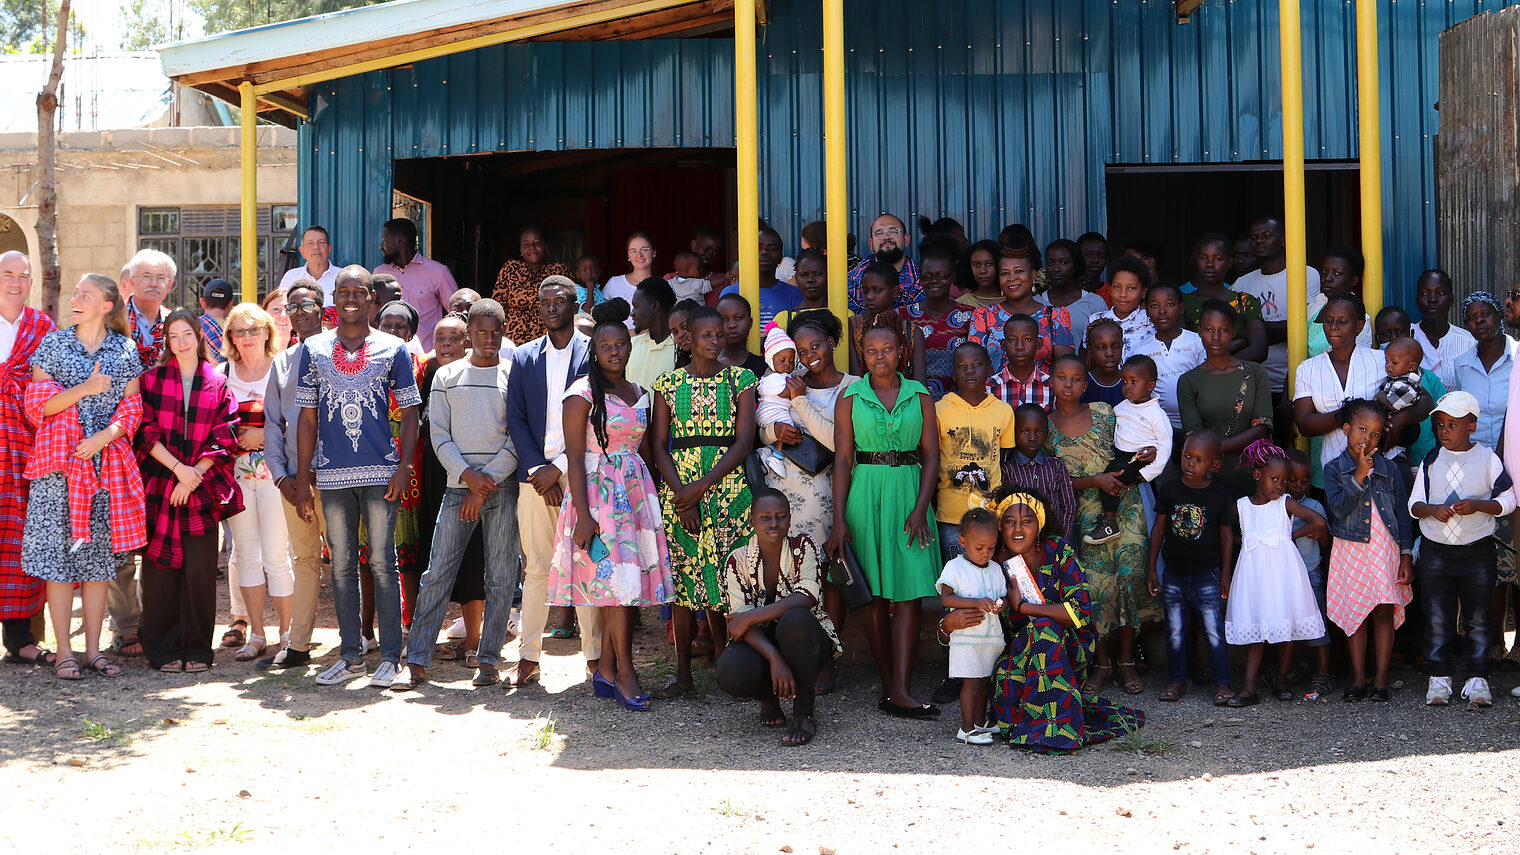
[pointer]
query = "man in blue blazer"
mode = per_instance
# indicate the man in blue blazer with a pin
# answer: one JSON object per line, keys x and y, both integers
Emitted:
{"x": 542, "y": 370}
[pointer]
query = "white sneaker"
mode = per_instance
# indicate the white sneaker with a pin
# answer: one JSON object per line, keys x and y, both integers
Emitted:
{"x": 384, "y": 676}
{"x": 514, "y": 623}
{"x": 1475, "y": 690}
{"x": 340, "y": 671}
{"x": 456, "y": 630}
{"x": 975, "y": 737}
{"x": 1515, "y": 692}
{"x": 1438, "y": 692}
{"x": 368, "y": 646}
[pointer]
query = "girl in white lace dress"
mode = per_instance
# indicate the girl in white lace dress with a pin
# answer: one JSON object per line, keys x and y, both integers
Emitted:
{"x": 1268, "y": 596}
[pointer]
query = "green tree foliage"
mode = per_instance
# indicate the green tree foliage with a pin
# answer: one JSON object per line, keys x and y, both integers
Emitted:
{"x": 26, "y": 26}
{"x": 145, "y": 23}
{"x": 223, "y": 15}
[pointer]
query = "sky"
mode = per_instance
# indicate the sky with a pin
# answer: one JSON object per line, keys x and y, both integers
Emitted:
{"x": 102, "y": 22}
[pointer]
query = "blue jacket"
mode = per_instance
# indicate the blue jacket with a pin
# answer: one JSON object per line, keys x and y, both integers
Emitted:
{"x": 1350, "y": 504}
{"x": 528, "y": 398}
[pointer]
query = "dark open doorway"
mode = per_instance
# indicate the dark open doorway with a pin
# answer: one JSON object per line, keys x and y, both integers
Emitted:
{"x": 1181, "y": 203}
{"x": 586, "y": 201}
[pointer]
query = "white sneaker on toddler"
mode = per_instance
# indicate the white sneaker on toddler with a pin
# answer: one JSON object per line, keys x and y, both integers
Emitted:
{"x": 1477, "y": 694}
{"x": 1438, "y": 692}
{"x": 976, "y": 736}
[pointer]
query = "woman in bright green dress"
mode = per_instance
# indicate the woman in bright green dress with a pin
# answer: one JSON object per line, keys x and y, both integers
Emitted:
{"x": 886, "y": 463}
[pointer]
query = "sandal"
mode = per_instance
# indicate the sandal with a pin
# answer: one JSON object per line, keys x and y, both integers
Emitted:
{"x": 175, "y": 667}
{"x": 771, "y": 714}
{"x": 801, "y": 731}
{"x": 1131, "y": 685}
{"x": 234, "y": 636}
{"x": 1173, "y": 692}
{"x": 252, "y": 650}
{"x": 672, "y": 691}
{"x": 472, "y": 659}
{"x": 452, "y": 651}
{"x": 197, "y": 667}
{"x": 104, "y": 667}
{"x": 1093, "y": 684}
{"x": 121, "y": 643}
{"x": 1223, "y": 695}
{"x": 71, "y": 665}
{"x": 41, "y": 657}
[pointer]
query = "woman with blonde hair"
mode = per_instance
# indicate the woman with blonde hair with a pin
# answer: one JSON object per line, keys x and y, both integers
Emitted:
{"x": 85, "y": 510}
{"x": 260, "y": 562}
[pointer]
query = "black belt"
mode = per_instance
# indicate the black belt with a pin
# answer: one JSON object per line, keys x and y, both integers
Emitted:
{"x": 701, "y": 442}
{"x": 886, "y": 458}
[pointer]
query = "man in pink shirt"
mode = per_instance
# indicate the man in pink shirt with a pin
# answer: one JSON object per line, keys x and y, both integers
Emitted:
{"x": 425, "y": 283}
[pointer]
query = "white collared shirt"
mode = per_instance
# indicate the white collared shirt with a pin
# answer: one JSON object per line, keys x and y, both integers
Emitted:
{"x": 1318, "y": 381}
{"x": 557, "y": 379}
{"x": 8, "y": 330}
{"x": 1173, "y": 359}
{"x": 1441, "y": 357}
{"x": 328, "y": 280}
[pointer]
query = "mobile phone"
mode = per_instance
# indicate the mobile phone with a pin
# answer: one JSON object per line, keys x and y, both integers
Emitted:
{"x": 598, "y": 550}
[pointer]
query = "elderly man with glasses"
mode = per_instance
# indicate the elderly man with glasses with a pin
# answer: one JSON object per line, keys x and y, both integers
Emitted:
{"x": 889, "y": 243}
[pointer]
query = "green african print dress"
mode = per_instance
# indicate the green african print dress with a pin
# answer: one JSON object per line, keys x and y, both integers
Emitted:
{"x": 704, "y": 408}
{"x": 1116, "y": 570}
{"x": 882, "y": 497}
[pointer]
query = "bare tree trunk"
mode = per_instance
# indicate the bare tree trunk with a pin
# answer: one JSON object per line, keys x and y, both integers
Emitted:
{"x": 47, "y": 184}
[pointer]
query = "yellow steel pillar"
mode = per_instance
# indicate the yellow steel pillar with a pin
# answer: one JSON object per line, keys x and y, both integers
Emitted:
{"x": 835, "y": 171}
{"x": 747, "y": 159}
{"x": 1294, "y": 227}
{"x": 1370, "y": 152}
{"x": 249, "y": 244}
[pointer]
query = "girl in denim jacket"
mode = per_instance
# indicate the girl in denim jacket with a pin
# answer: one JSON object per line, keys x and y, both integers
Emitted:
{"x": 1370, "y": 564}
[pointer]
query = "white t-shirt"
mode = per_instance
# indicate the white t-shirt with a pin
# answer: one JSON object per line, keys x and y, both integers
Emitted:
{"x": 328, "y": 280}
{"x": 621, "y": 286}
{"x": 246, "y": 390}
{"x": 1441, "y": 357}
{"x": 1082, "y": 310}
{"x": 1318, "y": 381}
{"x": 1272, "y": 291}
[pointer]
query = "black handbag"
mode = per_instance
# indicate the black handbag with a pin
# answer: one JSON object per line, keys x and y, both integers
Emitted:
{"x": 811, "y": 455}
{"x": 844, "y": 573}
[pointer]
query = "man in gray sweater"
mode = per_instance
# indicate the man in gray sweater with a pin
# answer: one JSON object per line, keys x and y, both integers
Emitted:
{"x": 481, "y": 464}
{"x": 303, "y": 302}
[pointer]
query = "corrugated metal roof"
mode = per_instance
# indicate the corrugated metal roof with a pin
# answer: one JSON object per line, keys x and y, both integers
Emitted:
{"x": 992, "y": 111}
{"x": 124, "y": 90}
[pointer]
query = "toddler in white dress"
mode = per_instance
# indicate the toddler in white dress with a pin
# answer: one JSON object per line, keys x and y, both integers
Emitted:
{"x": 973, "y": 580}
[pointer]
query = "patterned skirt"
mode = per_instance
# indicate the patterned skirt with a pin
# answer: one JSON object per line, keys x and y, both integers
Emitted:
{"x": 1038, "y": 697}
{"x": 697, "y": 559}
{"x": 1364, "y": 576}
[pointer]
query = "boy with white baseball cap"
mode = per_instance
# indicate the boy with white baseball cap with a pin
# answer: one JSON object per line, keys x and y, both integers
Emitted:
{"x": 1459, "y": 490}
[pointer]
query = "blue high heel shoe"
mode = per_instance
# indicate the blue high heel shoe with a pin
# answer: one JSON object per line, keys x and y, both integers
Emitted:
{"x": 601, "y": 686}
{"x": 637, "y": 704}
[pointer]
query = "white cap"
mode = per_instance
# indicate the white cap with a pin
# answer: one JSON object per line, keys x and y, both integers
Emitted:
{"x": 1457, "y": 404}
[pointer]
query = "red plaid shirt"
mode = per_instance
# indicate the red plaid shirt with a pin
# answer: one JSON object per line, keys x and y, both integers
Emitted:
{"x": 1013, "y": 391}
{"x": 20, "y": 594}
{"x": 57, "y": 437}
{"x": 209, "y": 432}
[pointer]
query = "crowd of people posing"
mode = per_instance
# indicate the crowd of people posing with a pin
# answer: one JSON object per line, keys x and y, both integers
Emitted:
{"x": 1064, "y": 449}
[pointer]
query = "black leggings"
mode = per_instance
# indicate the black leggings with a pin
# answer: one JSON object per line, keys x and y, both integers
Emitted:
{"x": 1127, "y": 470}
{"x": 18, "y": 634}
{"x": 744, "y": 673}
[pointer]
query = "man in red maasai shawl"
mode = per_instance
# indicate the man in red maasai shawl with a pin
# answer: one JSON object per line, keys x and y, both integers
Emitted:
{"x": 21, "y": 330}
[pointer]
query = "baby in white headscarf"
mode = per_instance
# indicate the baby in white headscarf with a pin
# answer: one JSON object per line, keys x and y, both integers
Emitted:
{"x": 781, "y": 356}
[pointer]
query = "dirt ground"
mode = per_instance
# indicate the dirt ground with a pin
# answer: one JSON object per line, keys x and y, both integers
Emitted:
{"x": 244, "y": 761}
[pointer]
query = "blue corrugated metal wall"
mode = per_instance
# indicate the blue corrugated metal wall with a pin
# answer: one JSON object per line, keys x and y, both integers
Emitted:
{"x": 991, "y": 112}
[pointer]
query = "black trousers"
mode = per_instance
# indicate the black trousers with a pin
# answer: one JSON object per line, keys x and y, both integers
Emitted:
{"x": 179, "y": 604}
{"x": 1127, "y": 470}
{"x": 744, "y": 673}
{"x": 18, "y": 633}
{"x": 1453, "y": 578}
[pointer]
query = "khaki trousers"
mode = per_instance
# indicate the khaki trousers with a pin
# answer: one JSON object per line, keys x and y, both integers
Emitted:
{"x": 538, "y": 525}
{"x": 306, "y": 561}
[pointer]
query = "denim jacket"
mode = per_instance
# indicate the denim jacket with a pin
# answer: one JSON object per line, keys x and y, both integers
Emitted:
{"x": 1350, "y": 503}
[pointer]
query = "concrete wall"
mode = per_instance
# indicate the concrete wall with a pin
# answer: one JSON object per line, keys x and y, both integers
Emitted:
{"x": 105, "y": 176}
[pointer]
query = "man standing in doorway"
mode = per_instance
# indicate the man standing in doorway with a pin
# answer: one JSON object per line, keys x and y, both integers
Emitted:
{"x": 303, "y": 302}
{"x": 344, "y": 448}
{"x": 775, "y": 296}
{"x": 426, "y": 284}
{"x": 1269, "y": 285}
{"x": 888, "y": 242}
{"x": 541, "y": 371}
{"x": 316, "y": 251}
{"x": 21, "y": 330}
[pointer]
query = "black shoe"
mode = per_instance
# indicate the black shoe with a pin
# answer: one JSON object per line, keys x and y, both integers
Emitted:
{"x": 1378, "y": 694}
{"x": 1244, "y": 699}
{"x": 286, "y": 658}
{"x": 947, "y": 691}
{"x": 1354, "y": 694}
{"x": 1103, "y": 533}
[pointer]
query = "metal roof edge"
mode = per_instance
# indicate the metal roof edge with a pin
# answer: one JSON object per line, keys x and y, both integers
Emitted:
{"x": 346, "y": 27}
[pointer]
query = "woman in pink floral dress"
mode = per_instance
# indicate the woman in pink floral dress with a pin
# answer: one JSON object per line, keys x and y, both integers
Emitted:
{"x": 611, "y": 510}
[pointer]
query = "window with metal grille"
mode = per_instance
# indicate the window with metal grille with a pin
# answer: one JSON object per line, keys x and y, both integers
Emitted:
{"x": 205, "y": 242}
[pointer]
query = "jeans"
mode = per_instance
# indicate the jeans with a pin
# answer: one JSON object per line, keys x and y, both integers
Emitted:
{"x": 498, "y": 513}
{"x": 1317, "y": 582}
{"x": 1452, "y": 578}
{"x": 340, "y": 513}
{"x": 949, "y": 542}
{"x": 1183, "y": 595}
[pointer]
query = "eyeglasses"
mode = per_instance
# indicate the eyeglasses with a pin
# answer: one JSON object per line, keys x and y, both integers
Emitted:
{"x": 277, "y": 311}
{"x": 154, "y": 280}
{"x": 303, "y": 306}
{"x": 890, "y": 231}
{"x": 245, "y": 332}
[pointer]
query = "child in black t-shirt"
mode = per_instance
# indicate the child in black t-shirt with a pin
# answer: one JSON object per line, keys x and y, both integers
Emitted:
{"x": 1193, "y": 532}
